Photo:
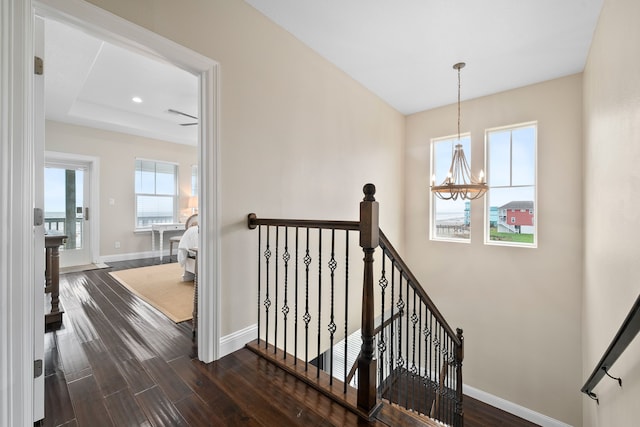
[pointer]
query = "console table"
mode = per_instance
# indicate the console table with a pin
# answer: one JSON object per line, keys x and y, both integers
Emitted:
{"x": 52, "y": 243}
{"x": 161, "y": 229}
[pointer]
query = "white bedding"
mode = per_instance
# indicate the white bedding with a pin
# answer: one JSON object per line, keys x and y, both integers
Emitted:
{"x": 188, "y": 240}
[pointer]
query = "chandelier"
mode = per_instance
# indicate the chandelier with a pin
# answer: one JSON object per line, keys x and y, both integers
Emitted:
{"x": 459, "y": 182}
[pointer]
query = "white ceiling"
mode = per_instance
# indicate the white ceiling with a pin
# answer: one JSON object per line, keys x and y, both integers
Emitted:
{"x": 90, "y": 82}
{"x": 404, "y": 50}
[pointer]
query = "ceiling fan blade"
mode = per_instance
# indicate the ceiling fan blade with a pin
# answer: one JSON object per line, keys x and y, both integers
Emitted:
{"x": 181, "y": 113}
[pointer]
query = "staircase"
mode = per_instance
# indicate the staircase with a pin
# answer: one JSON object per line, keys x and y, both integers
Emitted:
{"x": 316, "y": 307}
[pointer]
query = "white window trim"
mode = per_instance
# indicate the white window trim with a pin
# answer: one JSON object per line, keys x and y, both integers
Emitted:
{"x": 432, "y": 205}
{"x": 487, "y": 208}
{"x": 176, "y": 195}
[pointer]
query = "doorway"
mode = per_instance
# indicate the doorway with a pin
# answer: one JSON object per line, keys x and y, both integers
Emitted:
{"x": 113, "y": 29}
{"x": 70, "y": 205}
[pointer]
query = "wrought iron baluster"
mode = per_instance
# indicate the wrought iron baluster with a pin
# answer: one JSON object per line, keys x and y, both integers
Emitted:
{"x": 332, "y": 326}
{"x": 420, "y": 372}
{"x": 407, "y": 369}
{"x": 295, "y": 317}
{"x": 414, "y": 320}
{"x": 392, "y": 360}
{"x": 400, "y": 306}
{"x": 267, "y": 301}
{"x": 275, "y": 282}
{"x": 383, "y": 282}
{"x": 307, "y": 316}
{"x": 346, "y": 307}
{"x": 259, "y": 277}
{"x": 319, "y": 296}
{"x": 285, "y": 307}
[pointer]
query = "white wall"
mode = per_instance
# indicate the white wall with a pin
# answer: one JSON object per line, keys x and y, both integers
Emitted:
{"x": 117, "y": 153}
{"x": 612, "y": 206}
{"x": 519, "y": 307}
{"x": 299, "y": 138}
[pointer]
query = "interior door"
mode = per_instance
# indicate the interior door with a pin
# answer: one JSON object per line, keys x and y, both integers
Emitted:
{"x": 67, "y": 184}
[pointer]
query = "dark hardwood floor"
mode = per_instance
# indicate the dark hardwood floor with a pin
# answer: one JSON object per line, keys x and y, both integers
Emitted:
{"x": 117, "y": 361}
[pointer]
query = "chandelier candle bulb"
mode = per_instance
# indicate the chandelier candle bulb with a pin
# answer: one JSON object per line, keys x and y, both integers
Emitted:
{"x": 481, "y": 176}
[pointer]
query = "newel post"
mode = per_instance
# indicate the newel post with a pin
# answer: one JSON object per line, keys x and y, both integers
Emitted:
{"x": 369, "y": 237}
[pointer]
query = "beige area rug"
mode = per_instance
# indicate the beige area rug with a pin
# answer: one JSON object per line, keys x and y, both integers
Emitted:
{"x": 162, "y": 287}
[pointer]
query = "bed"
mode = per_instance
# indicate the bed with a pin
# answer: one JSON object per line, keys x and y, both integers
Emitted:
{"x": 188, "y": 241}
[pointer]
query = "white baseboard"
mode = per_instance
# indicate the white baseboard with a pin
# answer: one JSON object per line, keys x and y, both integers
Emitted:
{"x": 513, "y": 408}
{"x": 131, "y": 256}
{"x": 237, "y": 340}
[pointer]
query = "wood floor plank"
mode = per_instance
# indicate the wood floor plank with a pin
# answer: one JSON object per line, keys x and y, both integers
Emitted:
{"x": 125, "y": 411}
{"x": 167, "y": 379}
{"x": 159, "y": 409}
{"x": 105, "y": 371}
{"x": 74, "y": 361}
{"x": 58, "y": 408}
{"x": 88, "y": 403}
{"x": 135, "y": 375}
{"x": 197, "y": 413}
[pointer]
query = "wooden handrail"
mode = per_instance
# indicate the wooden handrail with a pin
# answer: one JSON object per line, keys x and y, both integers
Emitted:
{"x": 627, "y": 332}
{"x": 393, "y": 254}
{"x": 254, "y": 221}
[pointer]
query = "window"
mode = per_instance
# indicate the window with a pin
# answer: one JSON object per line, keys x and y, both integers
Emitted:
{"x": 450, "y": 220}
{"x": 156, "y": 192}
{"x": 511, "y": 177}
{"x": 194, "y": 180}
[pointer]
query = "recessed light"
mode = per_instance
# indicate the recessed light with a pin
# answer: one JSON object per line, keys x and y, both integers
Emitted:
{"x": 136, "y": 99}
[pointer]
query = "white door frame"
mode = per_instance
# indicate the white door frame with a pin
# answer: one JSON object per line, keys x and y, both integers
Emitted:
{"x": 119, "y": 31}
{"x": 92, "y": 165}
{"x": 17, "y": 180}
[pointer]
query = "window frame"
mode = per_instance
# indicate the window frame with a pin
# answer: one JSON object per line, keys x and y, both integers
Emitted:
{"x": 432, "y": 204}
{"x": 175, "y": 195}
{"x": 487, "y": 206}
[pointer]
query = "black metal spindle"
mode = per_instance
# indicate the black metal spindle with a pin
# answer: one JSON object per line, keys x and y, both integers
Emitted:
{"x": 267, "y": 301}
{"x": 392, "y": 360}
{"x": 400, "y": 306}
{"x": 319, "y": 297}
{"x": 307, "y": 316}
{"x": 332, "y": 326}
{"x": 295, "y": 317}
{"x": 420, "y": 372}
{"x": 414, "y": 320}
{"x": 275, "y": 283}
{"x": 346, "y": 307}
{"x": 259, "y": 277}
{"x": 406, "y": 395}
{"x": 383, "y": 282}
{"x": 285, "y": 307}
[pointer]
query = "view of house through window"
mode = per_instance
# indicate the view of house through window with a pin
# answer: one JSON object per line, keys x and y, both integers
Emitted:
{"x": 156, "y": 185}
{"x": 511, "y": 176}
{"x": 450, "y": 219}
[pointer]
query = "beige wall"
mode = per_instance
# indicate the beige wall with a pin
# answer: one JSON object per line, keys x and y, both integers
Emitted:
{"x": 519, "y": 307}
{"x": 612, "y": 206}
{"x": 299, "y": 138}
{"x": 117, "y": 153}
